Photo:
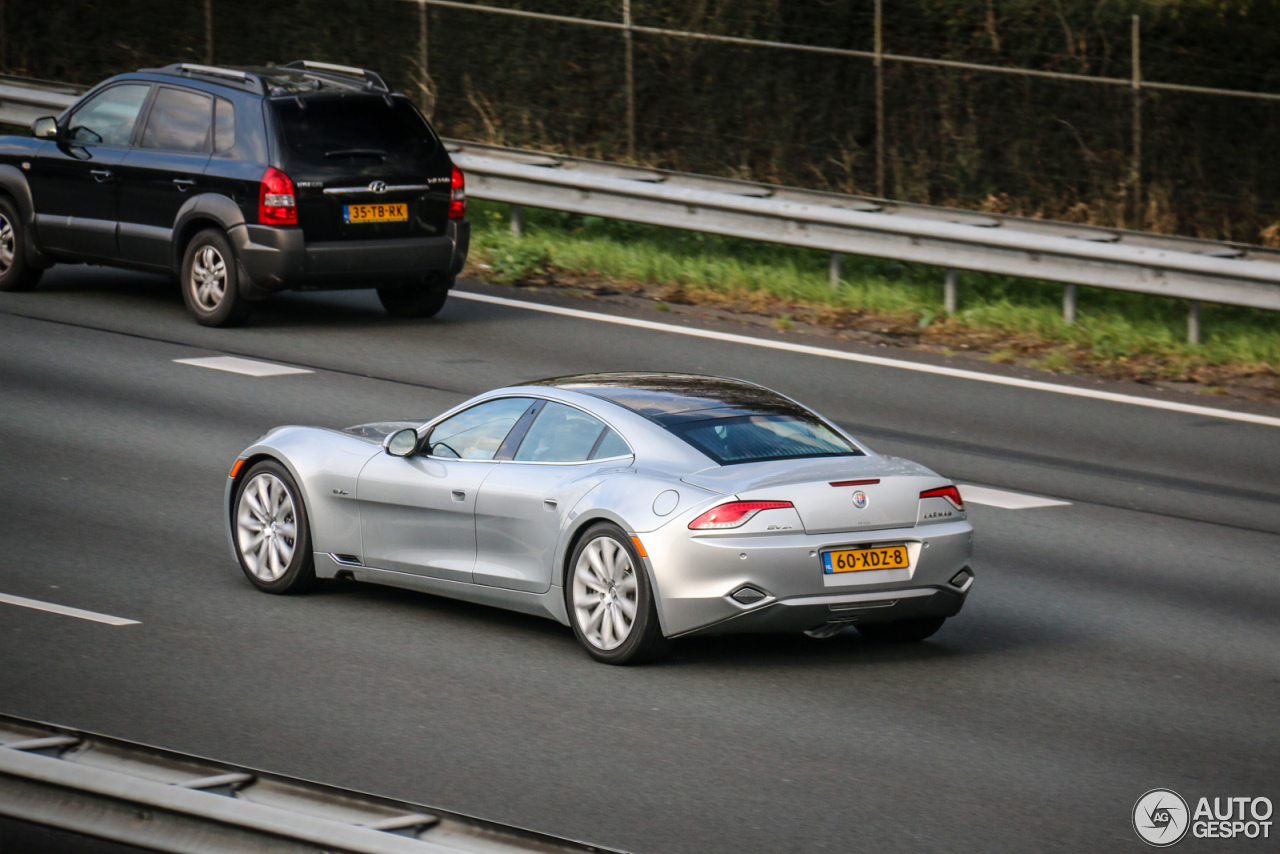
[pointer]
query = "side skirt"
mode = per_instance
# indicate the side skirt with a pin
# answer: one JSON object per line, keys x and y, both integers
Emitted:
{"x": 549, "y": 604}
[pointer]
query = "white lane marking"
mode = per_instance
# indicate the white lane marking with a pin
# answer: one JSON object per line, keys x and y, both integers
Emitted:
{"x": 960, "y": 373}
{"x": 65, "y": 610}
{"x": 236, "y": 365}
{"x": 1006, "y": 500}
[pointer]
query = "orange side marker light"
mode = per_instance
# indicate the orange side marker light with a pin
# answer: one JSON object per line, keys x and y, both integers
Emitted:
{"x": 235, "y": 469}
{"x": 635, "y": 541}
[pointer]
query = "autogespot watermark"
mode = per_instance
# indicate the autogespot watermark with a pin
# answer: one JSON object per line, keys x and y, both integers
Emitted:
{"x": 1161, "y": 818}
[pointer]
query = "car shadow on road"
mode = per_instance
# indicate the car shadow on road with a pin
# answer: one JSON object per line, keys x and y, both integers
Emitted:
{"x": 983, "y": 633}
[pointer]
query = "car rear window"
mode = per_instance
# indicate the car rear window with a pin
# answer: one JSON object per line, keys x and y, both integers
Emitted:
{"x": 759, "y": 438}
{"x": 332, "y": 129}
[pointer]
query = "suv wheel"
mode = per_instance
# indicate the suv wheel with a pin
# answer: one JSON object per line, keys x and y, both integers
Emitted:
{"x": 418, "y": 299}
{"x": 211, "y": 281}
{"x": 15, "y": 273}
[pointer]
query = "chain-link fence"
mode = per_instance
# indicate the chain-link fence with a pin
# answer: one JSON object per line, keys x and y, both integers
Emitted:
{"x": 1095, "y": 112}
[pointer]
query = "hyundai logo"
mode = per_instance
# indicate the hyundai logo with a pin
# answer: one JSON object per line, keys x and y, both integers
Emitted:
{"x": 859, "y": 499}
{"x": 377, "y": 186}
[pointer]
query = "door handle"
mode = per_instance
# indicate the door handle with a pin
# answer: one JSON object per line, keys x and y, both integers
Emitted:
{"x": 550, "y": 504}
{"x": 100, "y": 175}
{"x": 184, "y": 184}
{"x": 459, "y": 495}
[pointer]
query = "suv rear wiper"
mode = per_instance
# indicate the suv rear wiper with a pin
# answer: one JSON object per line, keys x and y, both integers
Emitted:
{"x": 357, "y": 152}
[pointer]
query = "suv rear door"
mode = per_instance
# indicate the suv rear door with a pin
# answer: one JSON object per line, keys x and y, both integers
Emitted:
{"x": 162, "y": 172}
{"x": 364, "y": 166}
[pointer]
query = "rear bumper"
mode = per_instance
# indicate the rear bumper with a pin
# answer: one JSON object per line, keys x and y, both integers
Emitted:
{"x": 275, "y": 259}
{"x": 696, "y": 577}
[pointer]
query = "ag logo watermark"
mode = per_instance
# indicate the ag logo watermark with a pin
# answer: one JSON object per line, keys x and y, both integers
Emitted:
{"x": 1161, "y": 818}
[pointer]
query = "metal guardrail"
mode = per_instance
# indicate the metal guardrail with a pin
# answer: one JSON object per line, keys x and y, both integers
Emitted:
{"x": 1176, "y": 267}
{"x": 23, "y": 100}
{"x": 161, "y": 800}
{"x": 1187, "y": 268}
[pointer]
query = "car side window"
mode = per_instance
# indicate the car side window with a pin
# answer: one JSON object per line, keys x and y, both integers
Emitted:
{"x": 477, "y": 433}
{"x": 109, "y": 117}
{"x": 224, "y": 126}
{"x": 563, "y": 434}
{"x": 180, "y": 120}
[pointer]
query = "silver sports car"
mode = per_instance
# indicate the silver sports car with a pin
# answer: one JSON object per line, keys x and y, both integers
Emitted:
{"x": 633, "y": 507}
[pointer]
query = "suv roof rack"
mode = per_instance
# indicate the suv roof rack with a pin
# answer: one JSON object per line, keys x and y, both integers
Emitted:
{"x": 299, "y": 75}
{"x": 225, "y": 76}
{"x": 371, "y": 79}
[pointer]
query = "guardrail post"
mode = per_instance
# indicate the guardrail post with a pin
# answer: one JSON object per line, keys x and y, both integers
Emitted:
{"x": 836, "y": 269}
{"x": 1069, "y": 304}
{"x": 1193, "y": 321}
{"x": 949, "y": 292}
{"x": 517, "y": 220}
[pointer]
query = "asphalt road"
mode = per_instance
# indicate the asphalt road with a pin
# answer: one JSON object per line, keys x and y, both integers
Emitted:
{"x": 1123, "y": 642}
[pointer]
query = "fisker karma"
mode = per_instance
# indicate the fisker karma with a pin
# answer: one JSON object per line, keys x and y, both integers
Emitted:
{"x": 633, "y": 507}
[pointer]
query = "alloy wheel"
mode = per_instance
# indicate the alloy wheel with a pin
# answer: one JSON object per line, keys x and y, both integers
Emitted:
{"x": 605, "y": 593}
{"x": 8, "y": 244}
{"x": 208, "y": 278}
{"x": 266, "y": 527}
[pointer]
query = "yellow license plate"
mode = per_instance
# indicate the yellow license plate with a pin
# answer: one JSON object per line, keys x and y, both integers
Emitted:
{"x": 858, "y": 560}
{"x": 394, "y": 212}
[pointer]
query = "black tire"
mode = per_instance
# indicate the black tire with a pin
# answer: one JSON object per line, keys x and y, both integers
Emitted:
{"x": 416, "y": 299}
{"x": 211, "y": 281}
{"x": 16, "y": 273}
{"x": 298, "y": 573}
{"x": 644, "y": 641}
{"x": 901, "y": 631}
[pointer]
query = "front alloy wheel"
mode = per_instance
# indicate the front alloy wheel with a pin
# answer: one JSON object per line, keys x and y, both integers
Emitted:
{"x": 272, "y": 540}
{"x": 611, "y": 604}
{"x": 15, "y": 273}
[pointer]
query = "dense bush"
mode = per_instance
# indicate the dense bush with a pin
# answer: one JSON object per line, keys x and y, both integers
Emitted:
{"x": 1039, "y": 147}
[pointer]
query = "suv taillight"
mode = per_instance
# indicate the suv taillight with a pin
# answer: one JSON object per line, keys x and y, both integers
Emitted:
{"x": 276, "y": 203}
{"x": 457, "y": 195}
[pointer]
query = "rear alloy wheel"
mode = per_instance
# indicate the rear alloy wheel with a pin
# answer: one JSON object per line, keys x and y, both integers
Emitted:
{"x": 272, "y": 538}
{"x": 211, "y": 281}
{"x": 15, "y": 273}
{"x": 416, "y": 299}
{"x": 901, "y": 631}
{"x": 611, "y": 604}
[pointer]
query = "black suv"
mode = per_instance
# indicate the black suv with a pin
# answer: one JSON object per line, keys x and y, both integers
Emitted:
{"x": 242, "y": 182}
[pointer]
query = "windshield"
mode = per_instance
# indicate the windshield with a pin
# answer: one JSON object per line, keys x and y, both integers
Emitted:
{"x": 759, "y": 438}
{"x": 331, "y": 130}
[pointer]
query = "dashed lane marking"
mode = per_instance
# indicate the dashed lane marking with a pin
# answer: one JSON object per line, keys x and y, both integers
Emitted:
{"x": 236, "y": 365}
{"x": 1095, "y": 394}
{"x": 65, "y": 611}
{"x": 1006, "y": 500}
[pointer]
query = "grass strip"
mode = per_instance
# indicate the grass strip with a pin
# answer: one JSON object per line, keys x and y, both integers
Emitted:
{"x": 1116, "y": 334}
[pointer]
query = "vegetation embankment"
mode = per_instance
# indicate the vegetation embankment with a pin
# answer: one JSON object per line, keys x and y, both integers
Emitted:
{"x": 1000, "y": 319}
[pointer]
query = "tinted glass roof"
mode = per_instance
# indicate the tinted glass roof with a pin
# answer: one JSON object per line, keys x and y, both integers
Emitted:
{"x": 671, "y": 399}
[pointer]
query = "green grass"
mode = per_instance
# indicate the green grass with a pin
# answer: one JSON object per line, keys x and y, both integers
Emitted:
{"x": 1111, "y": 327}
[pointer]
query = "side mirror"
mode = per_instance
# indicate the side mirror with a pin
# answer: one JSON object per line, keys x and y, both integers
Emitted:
{"x": 401, "y": 443}
{"x": 45, "y": 128}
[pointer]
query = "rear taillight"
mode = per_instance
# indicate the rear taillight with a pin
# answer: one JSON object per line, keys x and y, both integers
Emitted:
{"x": 734, "y": 514}
{"x": 950, "y": 493}
{"x": 276, "y": 202}
{"x": 457, "y": 195}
